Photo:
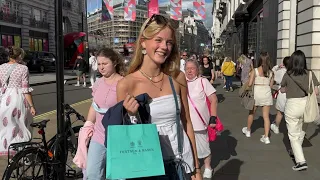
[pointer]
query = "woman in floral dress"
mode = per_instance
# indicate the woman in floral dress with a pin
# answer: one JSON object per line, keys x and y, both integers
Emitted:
{"x": 16, "y": 105}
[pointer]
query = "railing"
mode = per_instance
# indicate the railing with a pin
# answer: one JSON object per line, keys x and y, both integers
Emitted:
{"x": 39, "y": 24}
{"x": 11, "y": 18}
{"x": 66, "y": 4}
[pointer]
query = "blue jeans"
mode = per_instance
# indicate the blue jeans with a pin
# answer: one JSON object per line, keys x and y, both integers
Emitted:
{"x": 96, "y": 162}
{"x": 228, "y": 82}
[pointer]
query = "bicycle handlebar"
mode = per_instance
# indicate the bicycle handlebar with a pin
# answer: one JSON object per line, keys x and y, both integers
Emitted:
{"x": 69, "y": 110}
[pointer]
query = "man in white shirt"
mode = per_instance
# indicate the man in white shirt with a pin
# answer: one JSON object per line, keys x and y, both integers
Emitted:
{"x": 183, "y": 61}
{"x": 93, "y": 67}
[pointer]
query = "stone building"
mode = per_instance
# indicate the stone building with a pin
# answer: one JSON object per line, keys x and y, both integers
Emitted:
{"x": 30, "y": 24}
{"x": 277, "y": 26}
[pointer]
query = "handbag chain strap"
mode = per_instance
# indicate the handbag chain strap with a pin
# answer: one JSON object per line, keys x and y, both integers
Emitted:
{"x": 177, "y": 117}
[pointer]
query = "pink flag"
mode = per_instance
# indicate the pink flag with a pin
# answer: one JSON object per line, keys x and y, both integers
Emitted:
{"x": 200, "y": 10}
{"x": 175, "y": 9}
{"x": 153, "y": 8}
{"x": 130, "y": 10}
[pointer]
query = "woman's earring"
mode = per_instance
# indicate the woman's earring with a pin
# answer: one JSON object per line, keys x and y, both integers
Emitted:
{"x": 144, "y": 51}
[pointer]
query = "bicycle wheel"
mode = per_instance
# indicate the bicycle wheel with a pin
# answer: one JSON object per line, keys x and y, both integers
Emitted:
{"x": 29, "y": 163}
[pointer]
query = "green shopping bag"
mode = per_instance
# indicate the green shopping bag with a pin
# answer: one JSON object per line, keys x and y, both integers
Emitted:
{"x": 133, "y": 151}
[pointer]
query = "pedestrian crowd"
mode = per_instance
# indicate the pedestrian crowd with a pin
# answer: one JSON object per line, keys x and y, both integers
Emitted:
{"x": 173, "y": 92}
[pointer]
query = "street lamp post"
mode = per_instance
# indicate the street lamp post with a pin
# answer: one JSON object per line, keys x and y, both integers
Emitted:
{"x": 60, "y": 85}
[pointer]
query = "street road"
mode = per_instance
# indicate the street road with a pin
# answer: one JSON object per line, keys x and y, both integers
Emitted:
{"x": 45, "y": 96}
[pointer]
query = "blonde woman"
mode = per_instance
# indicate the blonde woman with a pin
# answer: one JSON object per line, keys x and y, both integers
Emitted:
{"x": 156, "y": 60}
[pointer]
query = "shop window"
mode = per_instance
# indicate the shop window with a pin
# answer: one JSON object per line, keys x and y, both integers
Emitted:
{"x": 10, "y": 40}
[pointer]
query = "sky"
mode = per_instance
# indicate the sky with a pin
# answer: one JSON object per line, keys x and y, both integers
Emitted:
{"x": 93, "y": 4}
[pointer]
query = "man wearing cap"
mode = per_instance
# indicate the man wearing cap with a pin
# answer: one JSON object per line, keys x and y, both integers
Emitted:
{"x": 80, "y": 67}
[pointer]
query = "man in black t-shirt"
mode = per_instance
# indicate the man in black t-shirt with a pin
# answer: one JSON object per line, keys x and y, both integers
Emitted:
{"x": 80, "y": 67}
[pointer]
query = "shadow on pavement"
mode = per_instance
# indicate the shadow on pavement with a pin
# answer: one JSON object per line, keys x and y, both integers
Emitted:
{"x": 316, "y": 132}
{"x": 229, "y": 171}
{"x": 223, "y": 148}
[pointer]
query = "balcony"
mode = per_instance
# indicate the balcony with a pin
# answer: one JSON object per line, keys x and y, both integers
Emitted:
{"x": 10, "y": 18}
{"x": 66, "y": 4}
{"x": 39, "y": 24}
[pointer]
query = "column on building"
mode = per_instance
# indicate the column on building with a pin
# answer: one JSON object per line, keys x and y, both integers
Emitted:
{"x": 25, "y": 31}
{"x": 283, "y": 30}
{"x": 308, "y": 33}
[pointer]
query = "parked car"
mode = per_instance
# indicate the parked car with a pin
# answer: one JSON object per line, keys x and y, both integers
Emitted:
{"x": 40, "y": 61}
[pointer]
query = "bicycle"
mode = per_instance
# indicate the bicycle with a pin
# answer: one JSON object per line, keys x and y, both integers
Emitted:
{"x": 45, "y": 153}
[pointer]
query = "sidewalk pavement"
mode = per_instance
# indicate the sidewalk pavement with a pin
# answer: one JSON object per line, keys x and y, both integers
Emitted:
{"x": 51, "y": 129}
{"x": 36, "y": 79}
{"x": 236, "y": 157}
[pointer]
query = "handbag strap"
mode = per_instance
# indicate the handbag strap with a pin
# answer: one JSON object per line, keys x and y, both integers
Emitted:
{"x": 207, "y": 99}
{"x": 194, "y": 106}
{"x": 177, "y": 116}
{"x": 9, "y": 73}
{"x": 299, "y": 84}
{"x": 310, "y": 84}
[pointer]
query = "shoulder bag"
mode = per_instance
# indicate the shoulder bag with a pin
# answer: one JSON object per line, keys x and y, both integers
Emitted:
{"x": 311, "y": 112}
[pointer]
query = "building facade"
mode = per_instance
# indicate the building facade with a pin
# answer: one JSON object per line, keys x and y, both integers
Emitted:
{"x": 192, "y": 35}
{"x": 117, "y": 32}
{"x": 277, "y": 26}
{"x": 246, "y": 27}
{"x": 299, "y": 29}
{"x": 31, "y": 24}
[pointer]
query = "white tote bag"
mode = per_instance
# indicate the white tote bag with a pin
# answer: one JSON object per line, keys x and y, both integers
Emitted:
{"x": 311, "y": 112}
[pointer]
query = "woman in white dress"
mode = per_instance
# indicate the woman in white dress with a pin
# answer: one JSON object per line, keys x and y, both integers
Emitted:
{"x": 15, "y": 101}
{"x": 155, "y": 62}
{"x": 279, "y": 71}
{"x": 262, "y": 81}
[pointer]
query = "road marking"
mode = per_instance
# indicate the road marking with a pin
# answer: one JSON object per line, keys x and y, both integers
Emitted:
{"x": 43, "y": 115}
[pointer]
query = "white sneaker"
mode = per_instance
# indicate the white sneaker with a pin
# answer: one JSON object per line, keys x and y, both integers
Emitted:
{"x": 65, "y": 81}
{"x": 274, "y": 128}
{"x": 207, "y": 173}
{"x": 90, "y": 87}
{"x": 246, "y": 132}
{"x": 84, "y": 85}
{"x": 77, "y": 85}
{"x": 224, "y": 86}
{"x": 265, "y": 140}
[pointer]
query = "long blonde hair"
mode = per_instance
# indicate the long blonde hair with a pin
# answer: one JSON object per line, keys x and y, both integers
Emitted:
{"x": 150, "y": 29}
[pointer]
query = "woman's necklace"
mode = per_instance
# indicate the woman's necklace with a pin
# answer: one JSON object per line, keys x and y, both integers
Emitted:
{"x": 149, "y": 77}
{"x": 153, "y": 82}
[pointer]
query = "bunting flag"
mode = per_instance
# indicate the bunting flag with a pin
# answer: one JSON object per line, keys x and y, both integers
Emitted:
{"x": 200, "y": 9}
{"x": 107, "y": 10}
{"x": 175, "y": 9}
{"x": 153, "y": 8}
{"x": 130, "y": 10}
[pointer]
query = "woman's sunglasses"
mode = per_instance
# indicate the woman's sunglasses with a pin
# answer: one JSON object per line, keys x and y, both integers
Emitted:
{"x": 158, "y": 18}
